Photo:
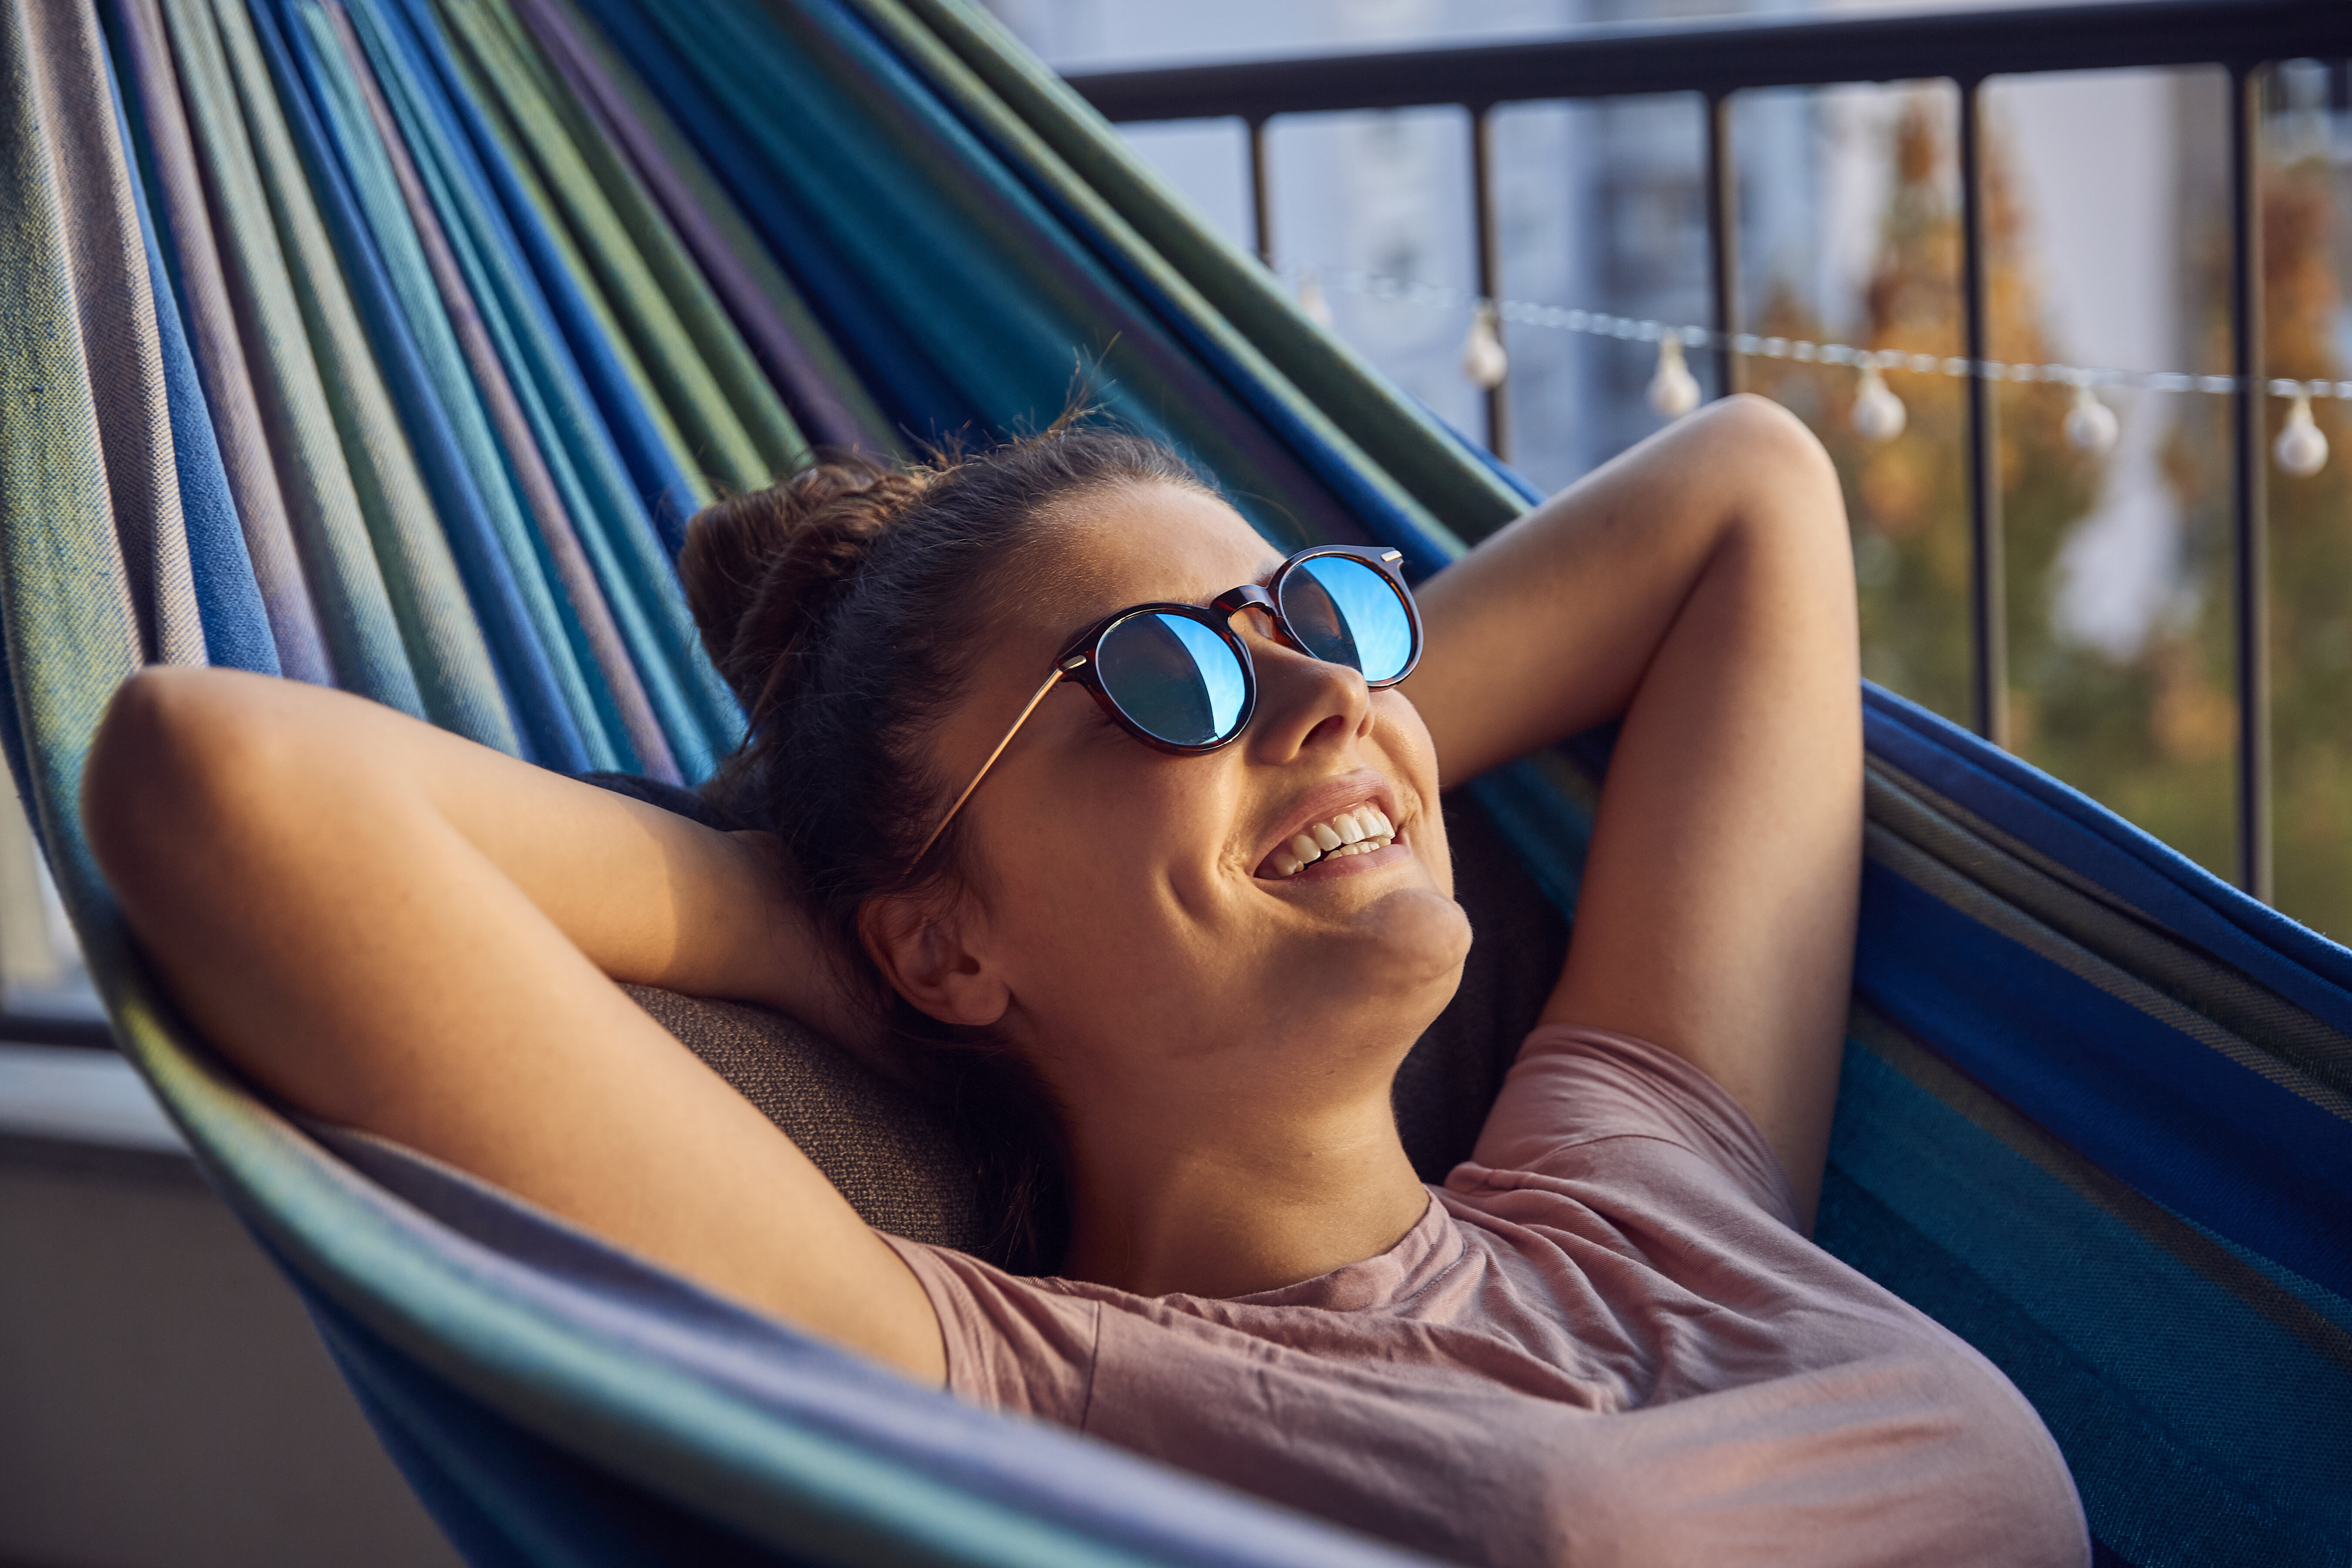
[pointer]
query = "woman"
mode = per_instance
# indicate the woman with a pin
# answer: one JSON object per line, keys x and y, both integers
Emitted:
{"x": 1605, "y": 1339}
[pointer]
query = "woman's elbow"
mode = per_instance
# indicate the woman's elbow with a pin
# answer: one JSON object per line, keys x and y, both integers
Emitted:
{"x": 1783, "y": 499}
{"x": 1774, "y": 446}
{"x": 178, "y": 756}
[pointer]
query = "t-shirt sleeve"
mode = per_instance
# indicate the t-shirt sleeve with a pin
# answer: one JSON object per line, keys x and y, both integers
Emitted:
{"x": 1011, "y": 1343}
{"x": 1574, "y": 1090}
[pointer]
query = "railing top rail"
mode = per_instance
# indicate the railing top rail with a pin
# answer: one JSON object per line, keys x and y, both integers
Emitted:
{"x": 1717, "y": 58}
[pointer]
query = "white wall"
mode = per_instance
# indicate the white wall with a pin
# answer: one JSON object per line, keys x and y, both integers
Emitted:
{"x": 164, "y": 1399}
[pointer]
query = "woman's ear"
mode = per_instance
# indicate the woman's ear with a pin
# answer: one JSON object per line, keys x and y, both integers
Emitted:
{"x": 921, "y": 950}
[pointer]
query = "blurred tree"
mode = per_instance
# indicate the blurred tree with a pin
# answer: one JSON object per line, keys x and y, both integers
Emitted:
{"x": 2310, "y": 539}
{"x": 1908, "y": 498}
{"x": 2149, "y": 731}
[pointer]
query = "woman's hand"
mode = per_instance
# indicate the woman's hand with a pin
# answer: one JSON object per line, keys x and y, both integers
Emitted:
{"x": 398, "y": 929}
{"x": 1701, "y": 588}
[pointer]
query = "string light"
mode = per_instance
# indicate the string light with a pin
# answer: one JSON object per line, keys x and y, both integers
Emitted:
{"x": 2301, "y": 448}
{"x": 1484, "y": 362}
{"x": 1674, "y": 390}
{"x": 2092, "y": 424}
{"x": 1878, "y": 414}
{"x": 1312, "y": 300}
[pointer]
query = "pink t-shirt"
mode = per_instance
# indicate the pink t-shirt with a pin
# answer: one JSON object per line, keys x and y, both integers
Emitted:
{"x": 1604, "y": 1344}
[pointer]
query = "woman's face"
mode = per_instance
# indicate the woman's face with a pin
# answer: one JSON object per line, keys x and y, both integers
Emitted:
{"x": 1130, "y": 911}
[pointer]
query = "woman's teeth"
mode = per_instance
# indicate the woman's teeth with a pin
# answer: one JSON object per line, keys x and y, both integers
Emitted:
{"x": 1357, "y": 832}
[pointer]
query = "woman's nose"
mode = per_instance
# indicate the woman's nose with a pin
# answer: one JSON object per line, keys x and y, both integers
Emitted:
{"x": 1305, "y": 702}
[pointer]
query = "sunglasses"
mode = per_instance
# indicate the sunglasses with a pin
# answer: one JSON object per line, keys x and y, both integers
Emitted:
{"x": 1179, "y": 679}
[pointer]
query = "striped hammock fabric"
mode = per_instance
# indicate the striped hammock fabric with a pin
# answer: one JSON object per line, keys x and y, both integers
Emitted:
{"x": 390, "y": 342}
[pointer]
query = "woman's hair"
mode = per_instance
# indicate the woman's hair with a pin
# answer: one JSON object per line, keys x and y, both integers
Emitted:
{"x": 841, "y": 605}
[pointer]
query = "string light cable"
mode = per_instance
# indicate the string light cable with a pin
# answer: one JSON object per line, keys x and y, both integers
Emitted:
{"x": 1878, "y": 414}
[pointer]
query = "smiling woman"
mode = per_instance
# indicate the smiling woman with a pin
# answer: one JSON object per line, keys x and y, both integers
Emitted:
{"x": 1167, "y": 963}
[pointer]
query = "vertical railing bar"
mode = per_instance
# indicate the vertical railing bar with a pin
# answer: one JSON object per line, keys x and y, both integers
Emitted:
{"x": 1722, "y": 239}
{"x": 1489, "y": 262}
{"x": 1988, "y": 619}
{"x": 1261, "y": 193}
{"x": 2249, "y": 508}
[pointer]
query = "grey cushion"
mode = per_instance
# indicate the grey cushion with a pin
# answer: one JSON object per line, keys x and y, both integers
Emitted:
{"x": 894, "y": 1157}
{"x": 899, "y": 1162}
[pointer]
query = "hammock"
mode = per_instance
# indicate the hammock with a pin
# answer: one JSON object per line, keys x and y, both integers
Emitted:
{"x": 390, "y": 342}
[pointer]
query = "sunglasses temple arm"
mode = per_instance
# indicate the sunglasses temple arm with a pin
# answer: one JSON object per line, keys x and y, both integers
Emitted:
{"x": 1051, "y": 681}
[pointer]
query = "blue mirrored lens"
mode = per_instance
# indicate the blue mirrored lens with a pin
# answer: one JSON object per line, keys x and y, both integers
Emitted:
{"x": 1345, "y": 611}
{"x": 1174, "y": 678}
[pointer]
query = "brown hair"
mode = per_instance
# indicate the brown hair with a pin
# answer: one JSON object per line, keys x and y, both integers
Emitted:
{"x": 839, "y": 605}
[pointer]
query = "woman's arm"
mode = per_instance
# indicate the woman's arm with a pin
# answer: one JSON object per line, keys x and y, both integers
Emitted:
{"x": 1700, "y": 587}
{"x": 398, "y": 930}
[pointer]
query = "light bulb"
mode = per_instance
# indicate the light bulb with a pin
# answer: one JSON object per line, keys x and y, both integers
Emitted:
{"x": 1878, "y": 414}
{"x": 2302, "y": 446}
{"x": 1482, "y": 359}
{"x": 1311, "y": 301}
{"x": 1673, "y": 391}
{"x": 2091, "y": 425}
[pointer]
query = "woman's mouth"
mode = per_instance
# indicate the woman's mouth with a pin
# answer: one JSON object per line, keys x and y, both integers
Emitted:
{"x": 1361, "y": 830}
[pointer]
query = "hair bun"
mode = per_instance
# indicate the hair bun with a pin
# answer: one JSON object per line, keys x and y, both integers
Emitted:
{"x": 760, "y": 570}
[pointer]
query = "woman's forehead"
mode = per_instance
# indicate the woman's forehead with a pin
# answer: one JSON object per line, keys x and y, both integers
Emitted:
{"x": 1154, "y": 542}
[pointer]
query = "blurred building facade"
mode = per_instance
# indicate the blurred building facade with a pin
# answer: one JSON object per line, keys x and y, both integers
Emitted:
{"x": 1598, "y": 204}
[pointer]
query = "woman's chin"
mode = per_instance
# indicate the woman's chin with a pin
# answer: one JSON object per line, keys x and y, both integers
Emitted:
{"x": 1405, "y": 948}
{"x": 1422, "y": 929}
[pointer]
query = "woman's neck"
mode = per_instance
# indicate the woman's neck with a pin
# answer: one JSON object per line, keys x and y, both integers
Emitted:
{"x": 1214, "y": 1197}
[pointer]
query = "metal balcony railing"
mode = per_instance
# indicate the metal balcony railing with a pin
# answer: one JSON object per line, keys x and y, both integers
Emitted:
{"x": 1715, "y": 60}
